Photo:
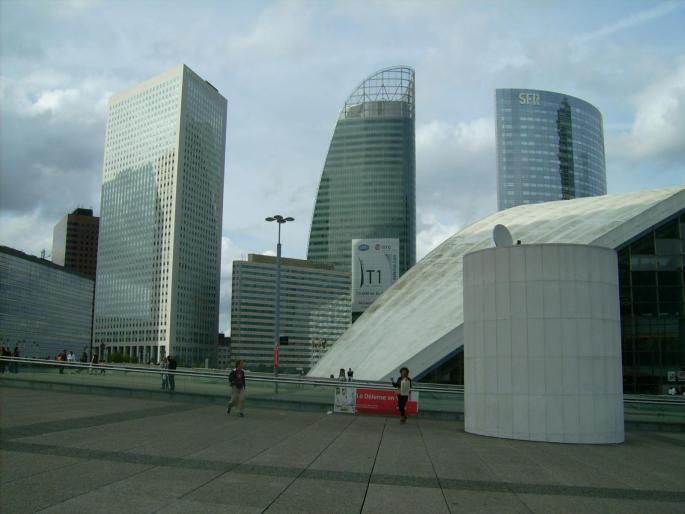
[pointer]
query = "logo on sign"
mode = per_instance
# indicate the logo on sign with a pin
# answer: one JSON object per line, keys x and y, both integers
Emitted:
{"x": 363, "y": 247}
{"x": 529, "y": 99}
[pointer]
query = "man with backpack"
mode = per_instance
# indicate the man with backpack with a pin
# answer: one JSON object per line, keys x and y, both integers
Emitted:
{"x": 237, "y": 381}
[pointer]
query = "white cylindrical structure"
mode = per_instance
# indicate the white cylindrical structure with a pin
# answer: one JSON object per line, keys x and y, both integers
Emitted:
{"x": 542, "y": 344}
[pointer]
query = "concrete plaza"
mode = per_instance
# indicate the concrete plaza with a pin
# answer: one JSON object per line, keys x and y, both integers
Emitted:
{"x": 65, "y": 452}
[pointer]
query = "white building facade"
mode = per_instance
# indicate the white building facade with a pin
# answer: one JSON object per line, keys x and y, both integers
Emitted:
{"x": 157, "y": 286}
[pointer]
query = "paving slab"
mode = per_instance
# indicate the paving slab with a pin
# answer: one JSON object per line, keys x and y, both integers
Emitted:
{"x": 176, "y": 457}
{"x": 305, "y": 495}
{"x": 402, "y": 498}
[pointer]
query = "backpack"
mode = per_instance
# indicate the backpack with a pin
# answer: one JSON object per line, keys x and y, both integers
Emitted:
{"x": 231, "y": 377}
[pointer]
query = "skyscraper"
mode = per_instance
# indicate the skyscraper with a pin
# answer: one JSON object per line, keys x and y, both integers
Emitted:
{"x": 157, "y": 287}
{"x": 368, "y": 184}
{"x": 550, "y": 146}
{"x": 75, "y": 242}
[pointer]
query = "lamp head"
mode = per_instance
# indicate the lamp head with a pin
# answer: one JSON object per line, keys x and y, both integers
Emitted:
{"x": 270, "y": 219}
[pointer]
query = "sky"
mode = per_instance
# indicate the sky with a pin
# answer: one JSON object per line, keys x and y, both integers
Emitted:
{"x": 286, "y": 68}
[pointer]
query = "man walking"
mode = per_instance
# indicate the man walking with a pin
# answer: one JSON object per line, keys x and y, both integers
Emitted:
{"x": 237, "y": 380}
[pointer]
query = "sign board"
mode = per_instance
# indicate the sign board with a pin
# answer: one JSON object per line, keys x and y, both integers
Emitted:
{"x": 375, "y": 267}
{"x": 670, "y": 376}
{"x": 681, "y": 376}
{"x": 276, "y": 352}
{"x": 384, "y": 402}
{"x": 345, "y": 397}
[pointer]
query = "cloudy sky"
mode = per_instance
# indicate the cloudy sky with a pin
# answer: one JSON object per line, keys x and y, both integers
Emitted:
{"x": 287, "y": 67}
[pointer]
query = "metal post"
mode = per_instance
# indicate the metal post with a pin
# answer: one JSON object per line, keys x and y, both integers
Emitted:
{"x": 277, "y": 320}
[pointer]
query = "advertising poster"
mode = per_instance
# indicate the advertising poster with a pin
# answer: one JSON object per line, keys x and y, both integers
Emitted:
{"x": 375, "y": 267}
{"x": 384, "y": 402}
{"x": 345, "y": 397}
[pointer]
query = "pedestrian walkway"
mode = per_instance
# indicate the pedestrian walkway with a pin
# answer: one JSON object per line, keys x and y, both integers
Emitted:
{"x": 63, "y": 452}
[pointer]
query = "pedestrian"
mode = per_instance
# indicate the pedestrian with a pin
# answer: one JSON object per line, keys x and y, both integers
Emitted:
{"x": 164, "y": 366}
{"x": 172, "y": 365}
{"x": 3, "y": 363}
{"x": 15, "y": 364}
{"x": 236, "y": 379}
{"x": 341, "y": 375}
{"x": 61, "y": 357}
{"x": 403, "y": 386}
{"x": 349, "y": 374}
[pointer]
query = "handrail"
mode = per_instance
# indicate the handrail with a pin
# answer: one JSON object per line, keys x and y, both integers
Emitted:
{"x": 313, "y": 381}
{"x": 429, "y": 388}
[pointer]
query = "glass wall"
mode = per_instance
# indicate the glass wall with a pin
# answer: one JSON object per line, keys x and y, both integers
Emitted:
{"x": 549, "y": 147}
{"x": 368, "y": 184}
{"x": 651, "y": 278}
{"x": 44, "y": 309}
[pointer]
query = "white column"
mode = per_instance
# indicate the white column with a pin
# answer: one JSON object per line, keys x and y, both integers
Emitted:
{"x": 542, "y": 344}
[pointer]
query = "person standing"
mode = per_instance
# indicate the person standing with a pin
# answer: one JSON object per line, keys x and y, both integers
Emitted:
{"x": 164, "y": 366}
{"x": 349, "y": 374}
{"x": 172, "y": 365}
{"x": 236, "y": 379}
{"x": 403, "y": 386}
{"x": 341, "y": 375}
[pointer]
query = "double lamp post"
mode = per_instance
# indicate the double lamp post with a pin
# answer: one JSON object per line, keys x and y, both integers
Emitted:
{"x": 277, "y": 315}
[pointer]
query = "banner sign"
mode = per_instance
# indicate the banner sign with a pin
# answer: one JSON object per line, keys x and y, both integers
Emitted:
{"x": 375, "y": 267}
{"x": 345, "y": 397}
{"x": 383, "y": 401}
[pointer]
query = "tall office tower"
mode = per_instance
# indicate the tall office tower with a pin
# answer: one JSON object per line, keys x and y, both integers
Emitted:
{"x": 368, "y": 184}
{"x": 550, "y": 146}
{"x": 315, "y": 311}
{"x": 157, "y": 287}
{"x": 75, "y": 242}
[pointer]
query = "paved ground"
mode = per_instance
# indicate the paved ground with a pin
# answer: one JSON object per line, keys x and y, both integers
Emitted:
{"x": 84, "y": 453}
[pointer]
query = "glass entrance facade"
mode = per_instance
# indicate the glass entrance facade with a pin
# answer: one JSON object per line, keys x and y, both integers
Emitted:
{"x": 651, "y": 278}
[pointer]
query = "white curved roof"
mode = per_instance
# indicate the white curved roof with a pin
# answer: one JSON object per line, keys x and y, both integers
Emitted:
{"x": 417, "y": 322}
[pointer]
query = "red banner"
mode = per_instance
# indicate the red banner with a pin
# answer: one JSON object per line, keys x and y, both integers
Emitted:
{"x": 384, "y": 402}
{"x": 276, "y": 351}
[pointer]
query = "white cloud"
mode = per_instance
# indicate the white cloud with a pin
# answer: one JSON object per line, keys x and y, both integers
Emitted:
{"x": 628, "y": 22}
{"x": 658, "y": 129}
{"x": 432, "y": 233}
{"x": 27, "y": 233}
{"x": 456, "y": 170}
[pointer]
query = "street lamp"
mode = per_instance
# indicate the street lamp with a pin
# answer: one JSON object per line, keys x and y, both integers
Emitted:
{"x": 277, "y": 321}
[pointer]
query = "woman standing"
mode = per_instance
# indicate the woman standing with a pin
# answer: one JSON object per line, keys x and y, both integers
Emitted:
{"x": 403, "y": 386}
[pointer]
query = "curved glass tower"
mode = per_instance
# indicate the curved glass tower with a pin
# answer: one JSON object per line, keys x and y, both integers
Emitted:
{"x": 368, "y": 184}
{"x": 550, "y": 146}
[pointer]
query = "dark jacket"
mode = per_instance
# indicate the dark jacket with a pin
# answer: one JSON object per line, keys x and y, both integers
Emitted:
{"x": 172, "y": 363}
{"x": 237, "y": 378}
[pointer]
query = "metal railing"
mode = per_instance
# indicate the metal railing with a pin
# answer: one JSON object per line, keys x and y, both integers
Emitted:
{"x": 436, "y": 390}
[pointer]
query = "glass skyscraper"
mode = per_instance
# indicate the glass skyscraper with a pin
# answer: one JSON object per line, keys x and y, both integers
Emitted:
{"x": 550, "y": 146}
{"x": 368, "y": 184}
{"x": 157, "y": 284}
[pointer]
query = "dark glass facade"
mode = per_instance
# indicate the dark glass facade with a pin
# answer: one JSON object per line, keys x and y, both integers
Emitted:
{"x": 75, "y": 242}
{"x": 651, "y": 278}
{"x": 368, "y": 184}
{"x": 550, "y": 146}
